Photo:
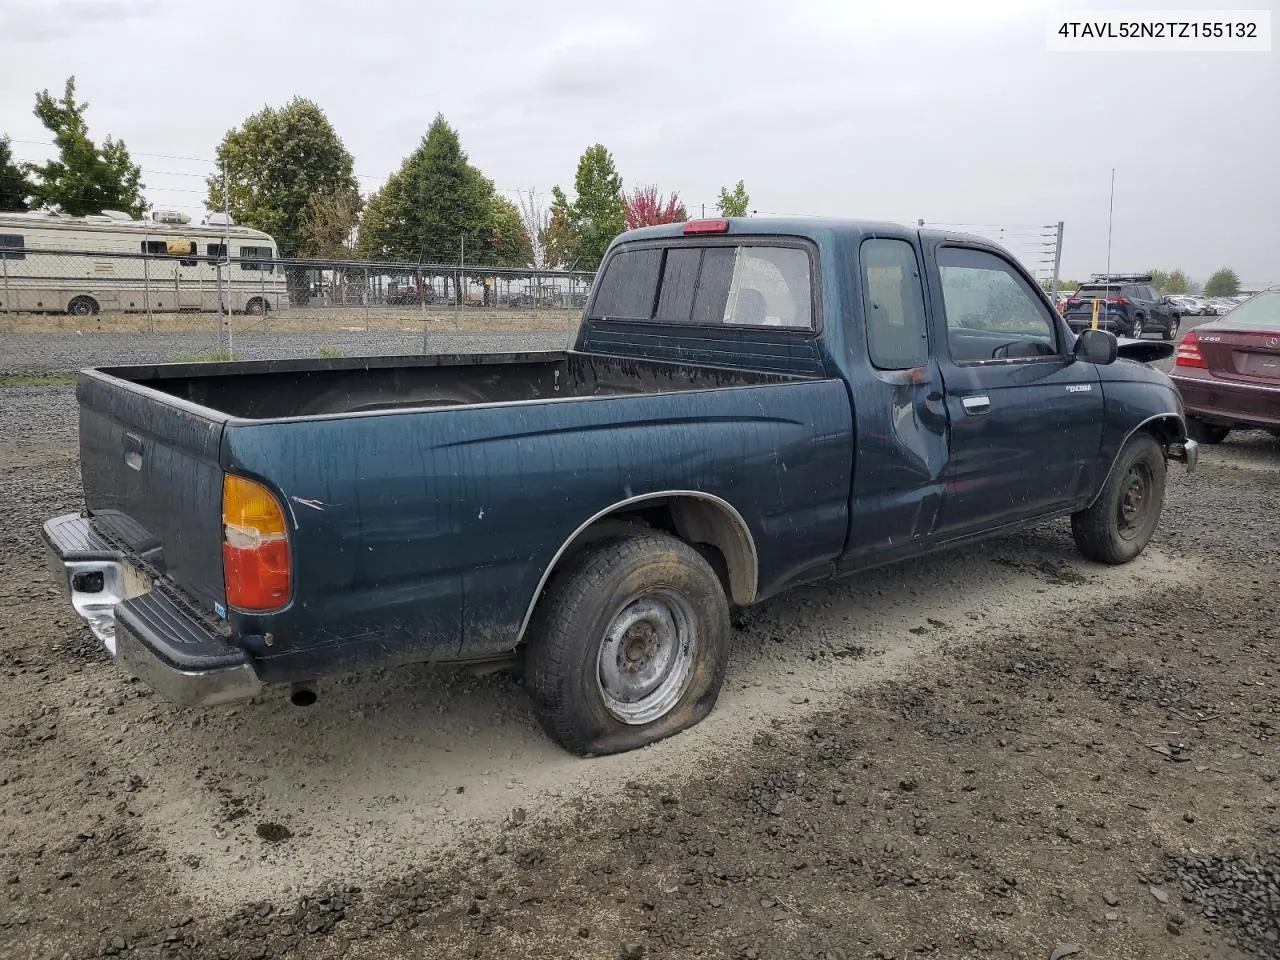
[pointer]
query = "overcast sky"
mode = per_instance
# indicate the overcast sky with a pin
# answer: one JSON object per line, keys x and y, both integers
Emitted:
{"x": 948, "y": 110}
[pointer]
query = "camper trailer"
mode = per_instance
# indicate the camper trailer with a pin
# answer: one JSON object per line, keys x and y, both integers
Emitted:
{"x": 114, "y": 263}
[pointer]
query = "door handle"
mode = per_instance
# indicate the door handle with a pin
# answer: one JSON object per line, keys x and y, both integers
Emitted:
{"x": 976, "y": 406}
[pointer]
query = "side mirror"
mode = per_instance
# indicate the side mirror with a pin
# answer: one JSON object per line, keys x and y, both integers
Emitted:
{"x": 1096, "y": 346}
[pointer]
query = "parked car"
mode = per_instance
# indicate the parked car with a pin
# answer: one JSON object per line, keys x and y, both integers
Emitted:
{"x": 1191, "y": 306}
{"x": 1228, "y": 371}
{"x": 749, "y": 405}
{"x": 1128, "y": 306}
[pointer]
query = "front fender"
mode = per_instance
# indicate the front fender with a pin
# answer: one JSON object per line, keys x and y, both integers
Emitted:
{"x": 1141, "y": 398}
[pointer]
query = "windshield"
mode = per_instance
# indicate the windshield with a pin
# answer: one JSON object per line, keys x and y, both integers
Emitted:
{"x": 1260, "y": 311}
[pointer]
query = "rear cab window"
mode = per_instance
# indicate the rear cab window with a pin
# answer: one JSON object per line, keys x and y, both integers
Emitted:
{"x": 741, "y": 284}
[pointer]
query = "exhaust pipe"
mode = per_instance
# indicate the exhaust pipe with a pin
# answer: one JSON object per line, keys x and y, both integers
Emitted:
{"x": 303, "y": 693}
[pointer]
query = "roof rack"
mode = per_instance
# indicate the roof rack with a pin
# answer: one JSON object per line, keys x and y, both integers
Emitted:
{"x": 1120, "y": 278}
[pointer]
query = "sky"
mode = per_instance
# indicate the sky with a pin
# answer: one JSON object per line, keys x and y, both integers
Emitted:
{"x": 950, "y": 111}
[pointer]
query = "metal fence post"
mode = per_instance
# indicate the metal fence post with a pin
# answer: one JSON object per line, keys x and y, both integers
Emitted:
{"x": 1057, "y": 262}
{"x": 146, "y": 292}
{"x": 4, "y": 262}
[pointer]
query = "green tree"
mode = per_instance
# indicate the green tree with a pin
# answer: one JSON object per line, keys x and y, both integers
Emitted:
{"x": 85, "y": 178}
{"x": 1224, "y": 283}
{"x": 278, "y": 165}
{"x": 559, "y": 238}
{"x": 597, "y": 213}
{"x": 427, "y": 207}
{"x": 1170, "y": 284}
{"x": 509, "y": 240}
{"x": 733, "y": 203}
{"x": 15, "y": 188}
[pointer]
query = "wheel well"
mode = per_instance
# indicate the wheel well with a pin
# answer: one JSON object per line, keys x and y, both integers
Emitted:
{"x": 710, "y": 526}
{"x": 1167, "y": 430}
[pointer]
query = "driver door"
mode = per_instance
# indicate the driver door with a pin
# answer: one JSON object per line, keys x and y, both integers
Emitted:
{"x": 1025, "y": 416}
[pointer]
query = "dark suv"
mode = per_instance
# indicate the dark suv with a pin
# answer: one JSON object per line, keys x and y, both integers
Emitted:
{"x": 1129, "y": 307}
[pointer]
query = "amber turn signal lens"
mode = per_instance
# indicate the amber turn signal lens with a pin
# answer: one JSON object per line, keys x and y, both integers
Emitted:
{"x": 255, "y": 548}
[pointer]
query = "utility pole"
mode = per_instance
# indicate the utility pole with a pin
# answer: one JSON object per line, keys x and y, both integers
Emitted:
{"x": 226, "y": 251}
{"x": 1110, "y": 212}
{"x": 1057, "y": 263}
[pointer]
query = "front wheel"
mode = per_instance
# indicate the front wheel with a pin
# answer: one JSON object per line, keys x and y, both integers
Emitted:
{"x": 1171, "y": 330}
{"x": 629, "y": 644}
{"x": 1136, "y": 332}
{"x": 1117, "y": 526}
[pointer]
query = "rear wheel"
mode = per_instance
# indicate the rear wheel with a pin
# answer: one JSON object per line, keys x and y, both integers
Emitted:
{"x": 628, "y": 645}
{"x": 1202, "y": 432}
{"x": 1118, "y": 525}
{"x": 256, "y": 307}
{"x": 82, "y": 307}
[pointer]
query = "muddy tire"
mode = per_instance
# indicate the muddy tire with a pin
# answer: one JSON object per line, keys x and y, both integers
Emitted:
{"x": 1207, "y": 433}
{"x": 1118, "y": 525}
{"x": 628, "y": 644}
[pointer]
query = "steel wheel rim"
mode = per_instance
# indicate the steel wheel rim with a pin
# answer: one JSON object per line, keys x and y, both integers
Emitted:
{"x": 1135, "y": 500}
{"x": 646, "y": 657}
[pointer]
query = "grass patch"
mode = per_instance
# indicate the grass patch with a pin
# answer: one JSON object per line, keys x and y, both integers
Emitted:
{"x": 37, "y": 379}
{"x": 328, "y": 353}
{"x": 201, "y": 358}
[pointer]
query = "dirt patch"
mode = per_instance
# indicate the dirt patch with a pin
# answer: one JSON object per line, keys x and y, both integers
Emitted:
{"x": 994, "y": 754}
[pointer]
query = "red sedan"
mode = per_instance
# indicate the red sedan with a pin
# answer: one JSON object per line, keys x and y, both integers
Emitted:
{"x": 1228, "y": 371}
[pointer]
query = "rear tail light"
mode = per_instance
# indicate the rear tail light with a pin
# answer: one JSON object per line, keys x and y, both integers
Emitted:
{"x": 706, "y": 226}
{"x": 1120, "y": 300}
{"x": 1188, "y": 353}
{"x": 255, "y": 547}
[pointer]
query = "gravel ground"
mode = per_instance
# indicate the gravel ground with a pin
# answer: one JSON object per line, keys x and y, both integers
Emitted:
{"x": 1008, "y": 752}
{"x": 35, "y": 353}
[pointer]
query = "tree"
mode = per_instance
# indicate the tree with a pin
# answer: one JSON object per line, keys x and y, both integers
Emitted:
{"x": 559, "y": 238}
{"x": 646, "y": 208}
{"x": 1169, "y": 284}
{"x": 733, "y": 204}
{"x": 15, "y": 188}
{"x": 535, "y": 220}
{"x": 329, "y": 225}
{"x": 85, "y": 178}
{"x": 277, "y": 163}
{"x": 510, "y": 243}
{"x": 1224, "y": 283}
{"x": 597, "y": 214}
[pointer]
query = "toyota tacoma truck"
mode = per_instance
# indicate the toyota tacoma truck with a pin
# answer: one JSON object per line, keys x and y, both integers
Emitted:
{"x": 748, "y": 405}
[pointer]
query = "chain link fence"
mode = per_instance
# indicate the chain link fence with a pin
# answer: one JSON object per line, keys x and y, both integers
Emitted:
{"x": 64, "y": 309}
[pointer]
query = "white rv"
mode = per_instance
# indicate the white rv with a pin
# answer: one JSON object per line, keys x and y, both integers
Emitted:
{"x": 52, "y": 262}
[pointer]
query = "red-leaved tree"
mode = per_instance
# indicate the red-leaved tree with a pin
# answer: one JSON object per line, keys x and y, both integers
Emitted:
{"x": 646, "y": 208}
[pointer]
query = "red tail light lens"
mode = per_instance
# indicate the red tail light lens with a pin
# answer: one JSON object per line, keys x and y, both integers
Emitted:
{"x": 255, "y": 547}
{"x": 1188, "y": 353}
{"x": 706, "y": 226}
{"x": 1120, "y": 300}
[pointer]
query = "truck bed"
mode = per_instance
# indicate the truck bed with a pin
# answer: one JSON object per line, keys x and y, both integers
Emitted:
{"x": 427, "y": 496}
{"x": 273, "y": 389}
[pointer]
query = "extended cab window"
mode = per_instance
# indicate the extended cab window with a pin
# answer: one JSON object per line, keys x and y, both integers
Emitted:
{"x": 894, "y": 298}
{"x": 992, "y": 312}
{"x": 722, "y": 284}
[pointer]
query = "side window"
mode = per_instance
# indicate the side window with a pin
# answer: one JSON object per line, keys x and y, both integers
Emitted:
{"x": 992, "y": 312}
{"x": 10, "y": 246}
{"x": 217, "y": 251}
{"x": 192, "y": 251}
{"x": 894, "y": 299}
{"x": 249, "y": 254}
{"x": 155, "y": 248}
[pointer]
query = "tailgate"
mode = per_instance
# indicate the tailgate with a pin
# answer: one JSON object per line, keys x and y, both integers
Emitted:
{"x": 152, "y": 479}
